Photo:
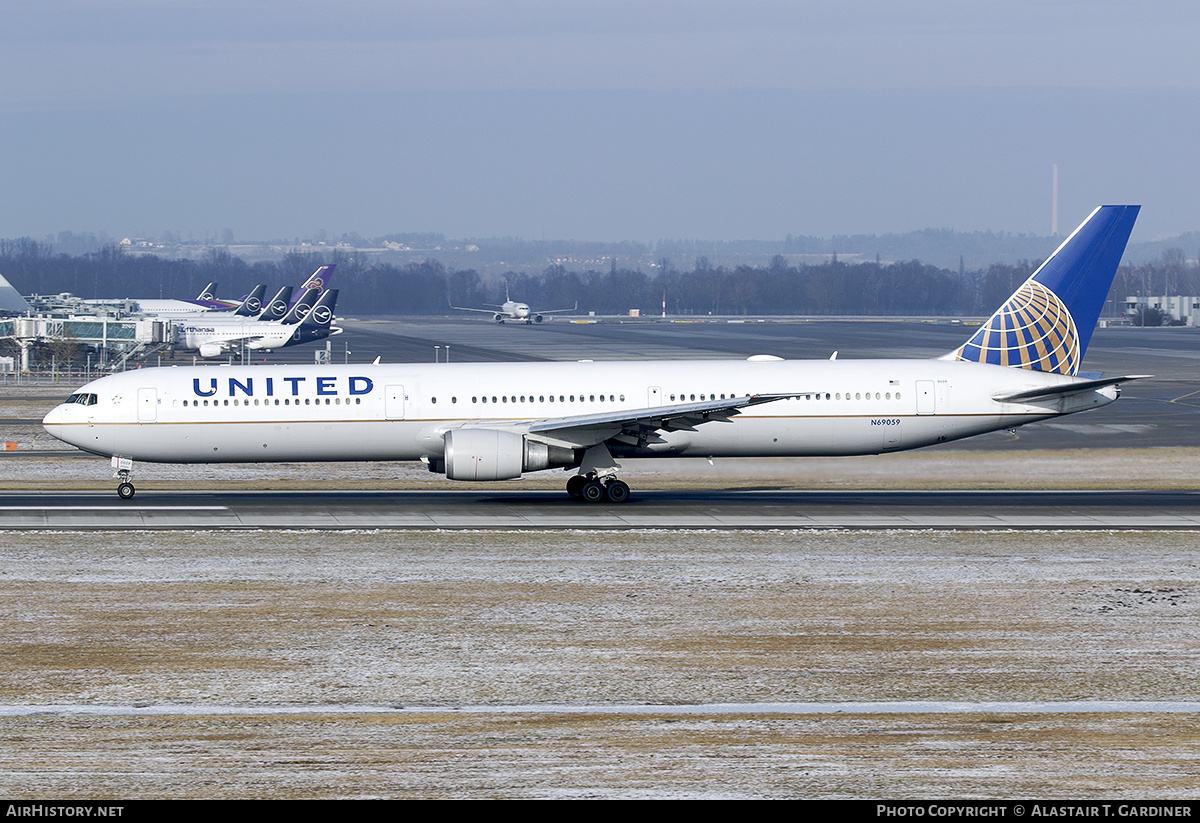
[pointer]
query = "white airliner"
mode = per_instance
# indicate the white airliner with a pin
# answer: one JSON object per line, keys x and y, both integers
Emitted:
{"x": 205, "y": 302}
{"x": 512, "y": 310}
{"x": 495, "y": 421}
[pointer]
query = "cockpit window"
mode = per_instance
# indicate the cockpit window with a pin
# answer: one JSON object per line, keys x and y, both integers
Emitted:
{"x": 82, "y": 398}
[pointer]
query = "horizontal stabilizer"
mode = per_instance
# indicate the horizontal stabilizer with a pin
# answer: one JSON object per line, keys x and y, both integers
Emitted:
{"x": 1064, "y": 389}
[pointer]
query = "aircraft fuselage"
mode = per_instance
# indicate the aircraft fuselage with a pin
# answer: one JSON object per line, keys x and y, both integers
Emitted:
{"x": 402, "y": 412}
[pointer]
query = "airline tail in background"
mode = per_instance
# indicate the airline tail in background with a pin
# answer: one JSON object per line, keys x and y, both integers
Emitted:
{"x": 277, "y": 309}
{"x": 317, "y": 324}
{"x": 319, "y": 279}
{"x": 301, "y": 306}
{"x": 1047, "y": 324}
{"x": 253, "y": 302}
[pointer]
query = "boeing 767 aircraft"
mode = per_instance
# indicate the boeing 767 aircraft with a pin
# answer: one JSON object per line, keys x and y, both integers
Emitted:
{"x": 496, "y": 421}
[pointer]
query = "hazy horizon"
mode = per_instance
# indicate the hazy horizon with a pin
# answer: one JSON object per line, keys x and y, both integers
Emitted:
{"x": 600, "y": 120}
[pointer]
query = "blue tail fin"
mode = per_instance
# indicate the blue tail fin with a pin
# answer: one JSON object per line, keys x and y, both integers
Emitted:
{"x": 277, "y": 309}
{"x": 1047, "y": 324}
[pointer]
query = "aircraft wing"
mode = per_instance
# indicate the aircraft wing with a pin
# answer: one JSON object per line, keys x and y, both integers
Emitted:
{"x": 556, "y": 311}
{"x": 465, "y": 308}
{"x": 235, "y": 341}
{"x": 1064, "y": 389}
{"x": 589, "y": 429}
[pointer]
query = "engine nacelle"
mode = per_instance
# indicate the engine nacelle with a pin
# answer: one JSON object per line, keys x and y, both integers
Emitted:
{"x": 537, "y": 318}
{"x": 493, "y": 454}
{"x": 210, "y": 351}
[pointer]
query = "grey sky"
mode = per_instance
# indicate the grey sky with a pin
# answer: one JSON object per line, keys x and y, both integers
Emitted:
{"x": 593, "y": 120}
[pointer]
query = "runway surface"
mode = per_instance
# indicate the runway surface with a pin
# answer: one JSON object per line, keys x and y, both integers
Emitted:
{"x": 688, "y": 510}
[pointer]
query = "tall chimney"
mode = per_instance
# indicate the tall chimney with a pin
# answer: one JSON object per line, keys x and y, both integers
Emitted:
{"x": 1054, "y": 201}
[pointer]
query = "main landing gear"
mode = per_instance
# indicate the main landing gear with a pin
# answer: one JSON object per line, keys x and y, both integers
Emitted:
{"x": 597, "y": 480}
{"x": 592, "y": 489}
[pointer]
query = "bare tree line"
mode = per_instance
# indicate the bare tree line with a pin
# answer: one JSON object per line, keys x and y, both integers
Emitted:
{"x": 370, "y": 287}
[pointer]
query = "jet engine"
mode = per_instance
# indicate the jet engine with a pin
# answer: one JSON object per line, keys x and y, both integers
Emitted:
{"x": 493, "y": 454}
{"x": 210, "y": 351}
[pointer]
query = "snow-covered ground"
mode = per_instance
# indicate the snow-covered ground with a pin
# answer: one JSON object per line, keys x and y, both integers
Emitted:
{"x": 177, "y": 638}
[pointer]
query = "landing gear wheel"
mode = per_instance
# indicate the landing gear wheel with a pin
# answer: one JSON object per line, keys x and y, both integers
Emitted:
{"x": 617, "y": 491}
{"x": 125, "y": 491}
{"x": 575, "y": 487}
{"x": 592, "y": 491}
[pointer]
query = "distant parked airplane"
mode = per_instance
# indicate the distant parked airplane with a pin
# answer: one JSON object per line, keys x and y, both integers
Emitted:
{"x": 310, "y": 319}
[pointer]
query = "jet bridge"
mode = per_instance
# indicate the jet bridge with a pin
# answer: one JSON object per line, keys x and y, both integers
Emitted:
{"x": 120, "y": 339}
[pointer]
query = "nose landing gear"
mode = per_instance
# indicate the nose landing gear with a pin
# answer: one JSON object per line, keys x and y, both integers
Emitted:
{"x": 124, "y": 472}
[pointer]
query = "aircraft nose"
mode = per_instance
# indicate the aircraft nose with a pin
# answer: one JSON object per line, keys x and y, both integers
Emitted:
{"x": 53, "y": 419}
{"x": 54, "y": 423}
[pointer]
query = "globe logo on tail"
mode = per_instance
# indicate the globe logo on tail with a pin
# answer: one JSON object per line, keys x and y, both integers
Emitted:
{"x": 1033, "y": 330}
